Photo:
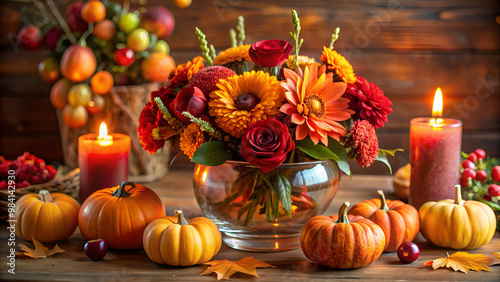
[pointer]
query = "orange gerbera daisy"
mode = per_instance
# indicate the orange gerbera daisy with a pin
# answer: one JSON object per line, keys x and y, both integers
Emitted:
{"x": 244, "y": 99}
{"x": 191, "y": 139}
{"x": 315, "y": 104}
{"x": 183, "y": 73}
{"x": 337, "y": 62}
{"x": 233, "y": 54}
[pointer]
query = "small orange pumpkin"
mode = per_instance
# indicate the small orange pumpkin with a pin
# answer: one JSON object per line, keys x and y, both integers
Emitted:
{"x": 120, "y": 214}
{"x": 174, "y": 241}
{"x": 46, "y": 217}
{"x": 399, "y": 221}
{"x": 78, "y": 63}
{"x": 342, "y": 241}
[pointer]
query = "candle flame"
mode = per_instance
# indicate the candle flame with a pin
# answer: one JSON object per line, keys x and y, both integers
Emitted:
{"x": 437, "y": 107}
{"x": 103, "y": 131}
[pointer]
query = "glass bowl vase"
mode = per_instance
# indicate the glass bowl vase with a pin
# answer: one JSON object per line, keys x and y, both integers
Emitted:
{"x": 264, "y": 212}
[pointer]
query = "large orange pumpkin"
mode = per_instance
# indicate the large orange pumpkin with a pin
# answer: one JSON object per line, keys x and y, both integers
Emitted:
{"x": 175, "y": 241}
{"x": 120, "y": 214}
{"x": 456, "y": 223}
{"x": 399, "y": 221}
{"x": 46, "y": 217}
{"x": 78, "y": 63}
{"x": 342, "y": 241}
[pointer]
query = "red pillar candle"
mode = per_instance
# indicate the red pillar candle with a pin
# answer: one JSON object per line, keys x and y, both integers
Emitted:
{"x": 103, "y": 161}
{"x": 435, "y": 145}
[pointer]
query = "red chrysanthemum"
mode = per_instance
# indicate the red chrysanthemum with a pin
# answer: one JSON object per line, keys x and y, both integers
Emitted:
{"x": 182, "y": 74}
{"x": 368, "y": 101}
{"x": 364, "y": 142}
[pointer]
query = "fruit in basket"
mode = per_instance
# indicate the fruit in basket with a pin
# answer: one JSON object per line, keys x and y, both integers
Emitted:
{"x": 157, "y": 67}
{"x": 96, "y": 105}
{"x": 183, "y": 3}
{"x": 408, "y": 252}
{"x": 456, "y": 223}
{"x": 105, "y": 30}
{"x": 101, "y": 82}
{"x": 399, "y": 221}
{"x": 128, "y": 22}
{"x": 93, "y": 11}
{"x": 75, "y": 117}
{"x": 48, "y": 69}
{"x": 78, "y": 63}
{"x": 124, "y": 56}
{"x": 51, "y": 37}
{"x": 96, "y": 249}
{"x": 162, "y": 47}
{"x": 79, "y": 95}
{"x": 59, "y": 93}
{"x": 342, "y": 241}
{"x": 164, "y": 239}
{"x": 158, "y": 20}
{"x": 74, "y": 17}
{"x": 120, "y": 214}
{"x": 46, "y": 217}
{"x": 495, "y": 173}
{"x": 138, "y": 40}
{"x": 30, "y": 37}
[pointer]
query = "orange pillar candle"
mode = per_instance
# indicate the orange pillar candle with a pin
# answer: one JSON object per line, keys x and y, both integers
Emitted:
{"x": 103, "y": 161}
{"x": 435, "y": 145}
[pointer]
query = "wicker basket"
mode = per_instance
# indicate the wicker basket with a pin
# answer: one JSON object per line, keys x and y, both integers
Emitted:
{"x": 68, "y": 184}
{"x": 123, "y": 108}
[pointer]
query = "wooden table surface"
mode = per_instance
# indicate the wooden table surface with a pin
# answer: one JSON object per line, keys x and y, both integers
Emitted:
{"x": 176, "y": 192}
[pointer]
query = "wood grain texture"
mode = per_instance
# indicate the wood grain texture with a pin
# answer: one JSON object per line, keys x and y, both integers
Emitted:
{"x": 176, "y": 191}
{"x": 408, "y": 48}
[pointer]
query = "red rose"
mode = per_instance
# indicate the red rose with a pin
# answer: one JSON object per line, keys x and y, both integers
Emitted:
{"x": 270, "y": 53}
{"x": 192, "y": 100}
{"x": 266, "y": 144}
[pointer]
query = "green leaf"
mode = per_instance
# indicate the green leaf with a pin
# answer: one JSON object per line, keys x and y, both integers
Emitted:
{"x": 382, "y": 158}
{"x": 284, "y": 191}
{"x": 316, "y": 151}
{"x": 389, "y": 152}
{"x": 211, "y": 154}
{"x": 494, "y": 206}
{"x": 341, "y": 152}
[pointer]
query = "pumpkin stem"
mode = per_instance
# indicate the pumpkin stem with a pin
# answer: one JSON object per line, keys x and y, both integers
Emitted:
{"x": 121, "y": 192}
{"x": 383, "y": 203}
{"x": 45, "y": 196}
{"x": 343, "y": 213}
{"x": 180, "y": 217}
{"x": 458, "y": 195}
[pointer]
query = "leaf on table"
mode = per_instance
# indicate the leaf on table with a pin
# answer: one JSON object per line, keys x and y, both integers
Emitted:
{"x": 462, "y": 261}
{"x": 225, "y": 268}
{"x": 496, "y": 258}
{"x": 40, "y": 250}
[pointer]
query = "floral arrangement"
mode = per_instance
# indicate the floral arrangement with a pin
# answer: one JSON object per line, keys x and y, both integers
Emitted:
{"x": 287, "y": 108}
{"x": 94, "y": 46}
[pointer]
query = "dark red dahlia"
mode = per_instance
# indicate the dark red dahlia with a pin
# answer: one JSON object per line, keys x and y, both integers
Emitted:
{"x": 364, "y": 143}
{"x": 206, "y": 79}
{"x": 368, "y": 101}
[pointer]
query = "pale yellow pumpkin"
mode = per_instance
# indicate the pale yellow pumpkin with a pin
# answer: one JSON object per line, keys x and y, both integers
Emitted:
{"x": 174, "y": 241}
{"x": 456, "y": 223}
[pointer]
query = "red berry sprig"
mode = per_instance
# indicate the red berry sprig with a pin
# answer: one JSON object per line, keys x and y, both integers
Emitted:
{"x": 29, "y": 170}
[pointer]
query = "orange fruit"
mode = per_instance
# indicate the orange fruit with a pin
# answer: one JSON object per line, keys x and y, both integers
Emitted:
{"x": 96, "y": 105}
{"x": 105, "y": 30}
{"x": 157, "y": 67}
{"x": 93, "y": 11}
{"x": 183, "y": 3}
{"x": 102, "y": 82}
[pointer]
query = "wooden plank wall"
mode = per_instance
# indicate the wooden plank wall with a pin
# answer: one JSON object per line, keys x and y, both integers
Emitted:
{"x": 408, "y": 48}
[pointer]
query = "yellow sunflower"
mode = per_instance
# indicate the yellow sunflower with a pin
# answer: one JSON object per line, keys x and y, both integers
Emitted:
{"x": 337, "y": 62}
{"x": 191, "y": 139}
{"x": 244, "y": 99}
{"x": 304, "y": 61}
{"x": 233, "y": 54}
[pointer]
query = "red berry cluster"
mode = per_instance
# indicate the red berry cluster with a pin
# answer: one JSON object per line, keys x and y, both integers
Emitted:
{"x": 474, "y": 174}
{"x": 28, "y": 169}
